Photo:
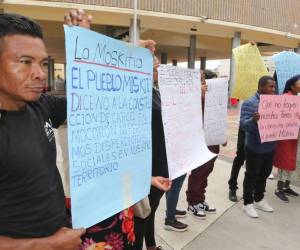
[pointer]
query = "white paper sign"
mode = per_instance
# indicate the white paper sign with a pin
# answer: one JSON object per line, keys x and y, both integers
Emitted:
{"x": 215, "y": 111}
{"x": 180, "y": 91}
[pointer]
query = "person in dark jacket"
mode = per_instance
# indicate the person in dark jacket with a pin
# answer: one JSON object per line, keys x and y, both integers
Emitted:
{"x": 259, "y": 156}
{"x": 236, "y": 165}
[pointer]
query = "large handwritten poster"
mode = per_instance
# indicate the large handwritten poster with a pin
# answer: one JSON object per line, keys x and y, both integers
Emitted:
{"x": 109, "y": 91}
{"x": 182, "y": 118}
{"x": 287, "y": 65}
{"x": 279, "y": 117}
{"x": 215, "y": 111}
{"x": 249, "y": 68}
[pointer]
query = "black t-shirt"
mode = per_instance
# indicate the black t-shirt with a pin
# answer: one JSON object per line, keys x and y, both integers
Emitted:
{"x": 159, "y": 155}
{"x": 31, "y": 193}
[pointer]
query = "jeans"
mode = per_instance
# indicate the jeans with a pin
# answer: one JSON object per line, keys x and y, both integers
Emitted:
{"x": 258, "y": 168}
{"x": 172, "y": 197}
{"x": 198, "y": 179}
{"x": 238, "y": 160}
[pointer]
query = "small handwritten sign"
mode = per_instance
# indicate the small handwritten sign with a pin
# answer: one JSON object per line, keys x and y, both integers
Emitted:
{"x": 180, "y": 90}
{"x": 215, "y": 111}
{"x": 249, "y": 68}
{"x": 287, "y": 65}
{"x": 279, "y": 117}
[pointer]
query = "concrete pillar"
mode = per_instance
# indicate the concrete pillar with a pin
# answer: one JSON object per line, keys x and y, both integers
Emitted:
{"x": 163, "y": 57}
{"x": 174, "y": 62}
{"x": 192, "y": 52}
{"x": 138, "y": 29}
{"x": 203, "y": 63}
{"x": 236, "y": 42}
{"x": 297, "y": 50}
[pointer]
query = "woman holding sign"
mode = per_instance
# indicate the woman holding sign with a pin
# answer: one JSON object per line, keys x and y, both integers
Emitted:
{"x": 286, "y": 152}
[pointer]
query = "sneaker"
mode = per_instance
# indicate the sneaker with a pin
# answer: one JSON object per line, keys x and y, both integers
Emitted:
{"x": 250, "y": 211}
{"x": 197, "y": 212}
{"x": 263, "y": 205}
{"x": 159, "y": 248}
{"x": 180, "y": 213}
{"x": 290, "y": 192}
{"x": 175, "y": 225}
{"x": 232, "y": 195}
{"x": 281, "y": 195}
{"x": 271, "y": 177}
{"x": 207, "y": 208}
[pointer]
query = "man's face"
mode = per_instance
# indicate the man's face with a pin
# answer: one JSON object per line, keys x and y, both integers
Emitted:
{"x": 23, "y": 70}
{"x": 269, "y": 88}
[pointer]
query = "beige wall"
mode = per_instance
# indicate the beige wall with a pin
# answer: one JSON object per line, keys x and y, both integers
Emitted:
{"x": 171, "y": 22}
{"x": 273, "y": 14}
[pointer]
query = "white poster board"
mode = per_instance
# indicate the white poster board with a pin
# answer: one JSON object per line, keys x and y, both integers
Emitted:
{"x": 215, "y": 111}
{"x": 180, "y": 91}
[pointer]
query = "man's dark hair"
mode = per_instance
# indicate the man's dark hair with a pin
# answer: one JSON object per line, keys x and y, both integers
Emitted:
{"x": 208, "y": 74}
{"x": 291, "y": 82}
{"x": 14, "y": 24}
{"x": 264, "y": 80}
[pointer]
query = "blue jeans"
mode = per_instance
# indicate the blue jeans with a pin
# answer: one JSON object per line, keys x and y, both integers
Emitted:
{"x": 172, "y": 197}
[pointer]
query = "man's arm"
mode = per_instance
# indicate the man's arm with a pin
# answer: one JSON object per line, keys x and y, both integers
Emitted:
{"x": 63, "y": 239}
{"x": 7, "y": 243}
{"x": 248, "y": 120}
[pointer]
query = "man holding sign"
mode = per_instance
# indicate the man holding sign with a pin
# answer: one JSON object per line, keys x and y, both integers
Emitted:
{"x": 259, "y": 156}
{"x": 32, "y": 205}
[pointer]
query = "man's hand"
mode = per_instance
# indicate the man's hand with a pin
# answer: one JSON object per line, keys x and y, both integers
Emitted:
{"x": 256, "y": 116}
{"x": 66, "y": 239}
{"x": 149, "y": 44}
{"x": 161, "y": 183}
{"x": 77, "y": 17}
{"x": 63, "y": 239}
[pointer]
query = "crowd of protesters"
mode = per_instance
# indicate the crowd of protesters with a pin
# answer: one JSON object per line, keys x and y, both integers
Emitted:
{"x": 34, "y": 212}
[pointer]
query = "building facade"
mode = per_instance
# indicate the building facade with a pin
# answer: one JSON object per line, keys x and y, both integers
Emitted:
{"x": 211, "y": 23}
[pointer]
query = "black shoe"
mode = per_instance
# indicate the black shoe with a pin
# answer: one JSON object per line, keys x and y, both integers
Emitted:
{"x": 180, "y": 213}
{"x": 290, "y": 192}
{"x": 175, "y": 225}
{"x": 232, "y": 195}
{"x": 281, "y": 195}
